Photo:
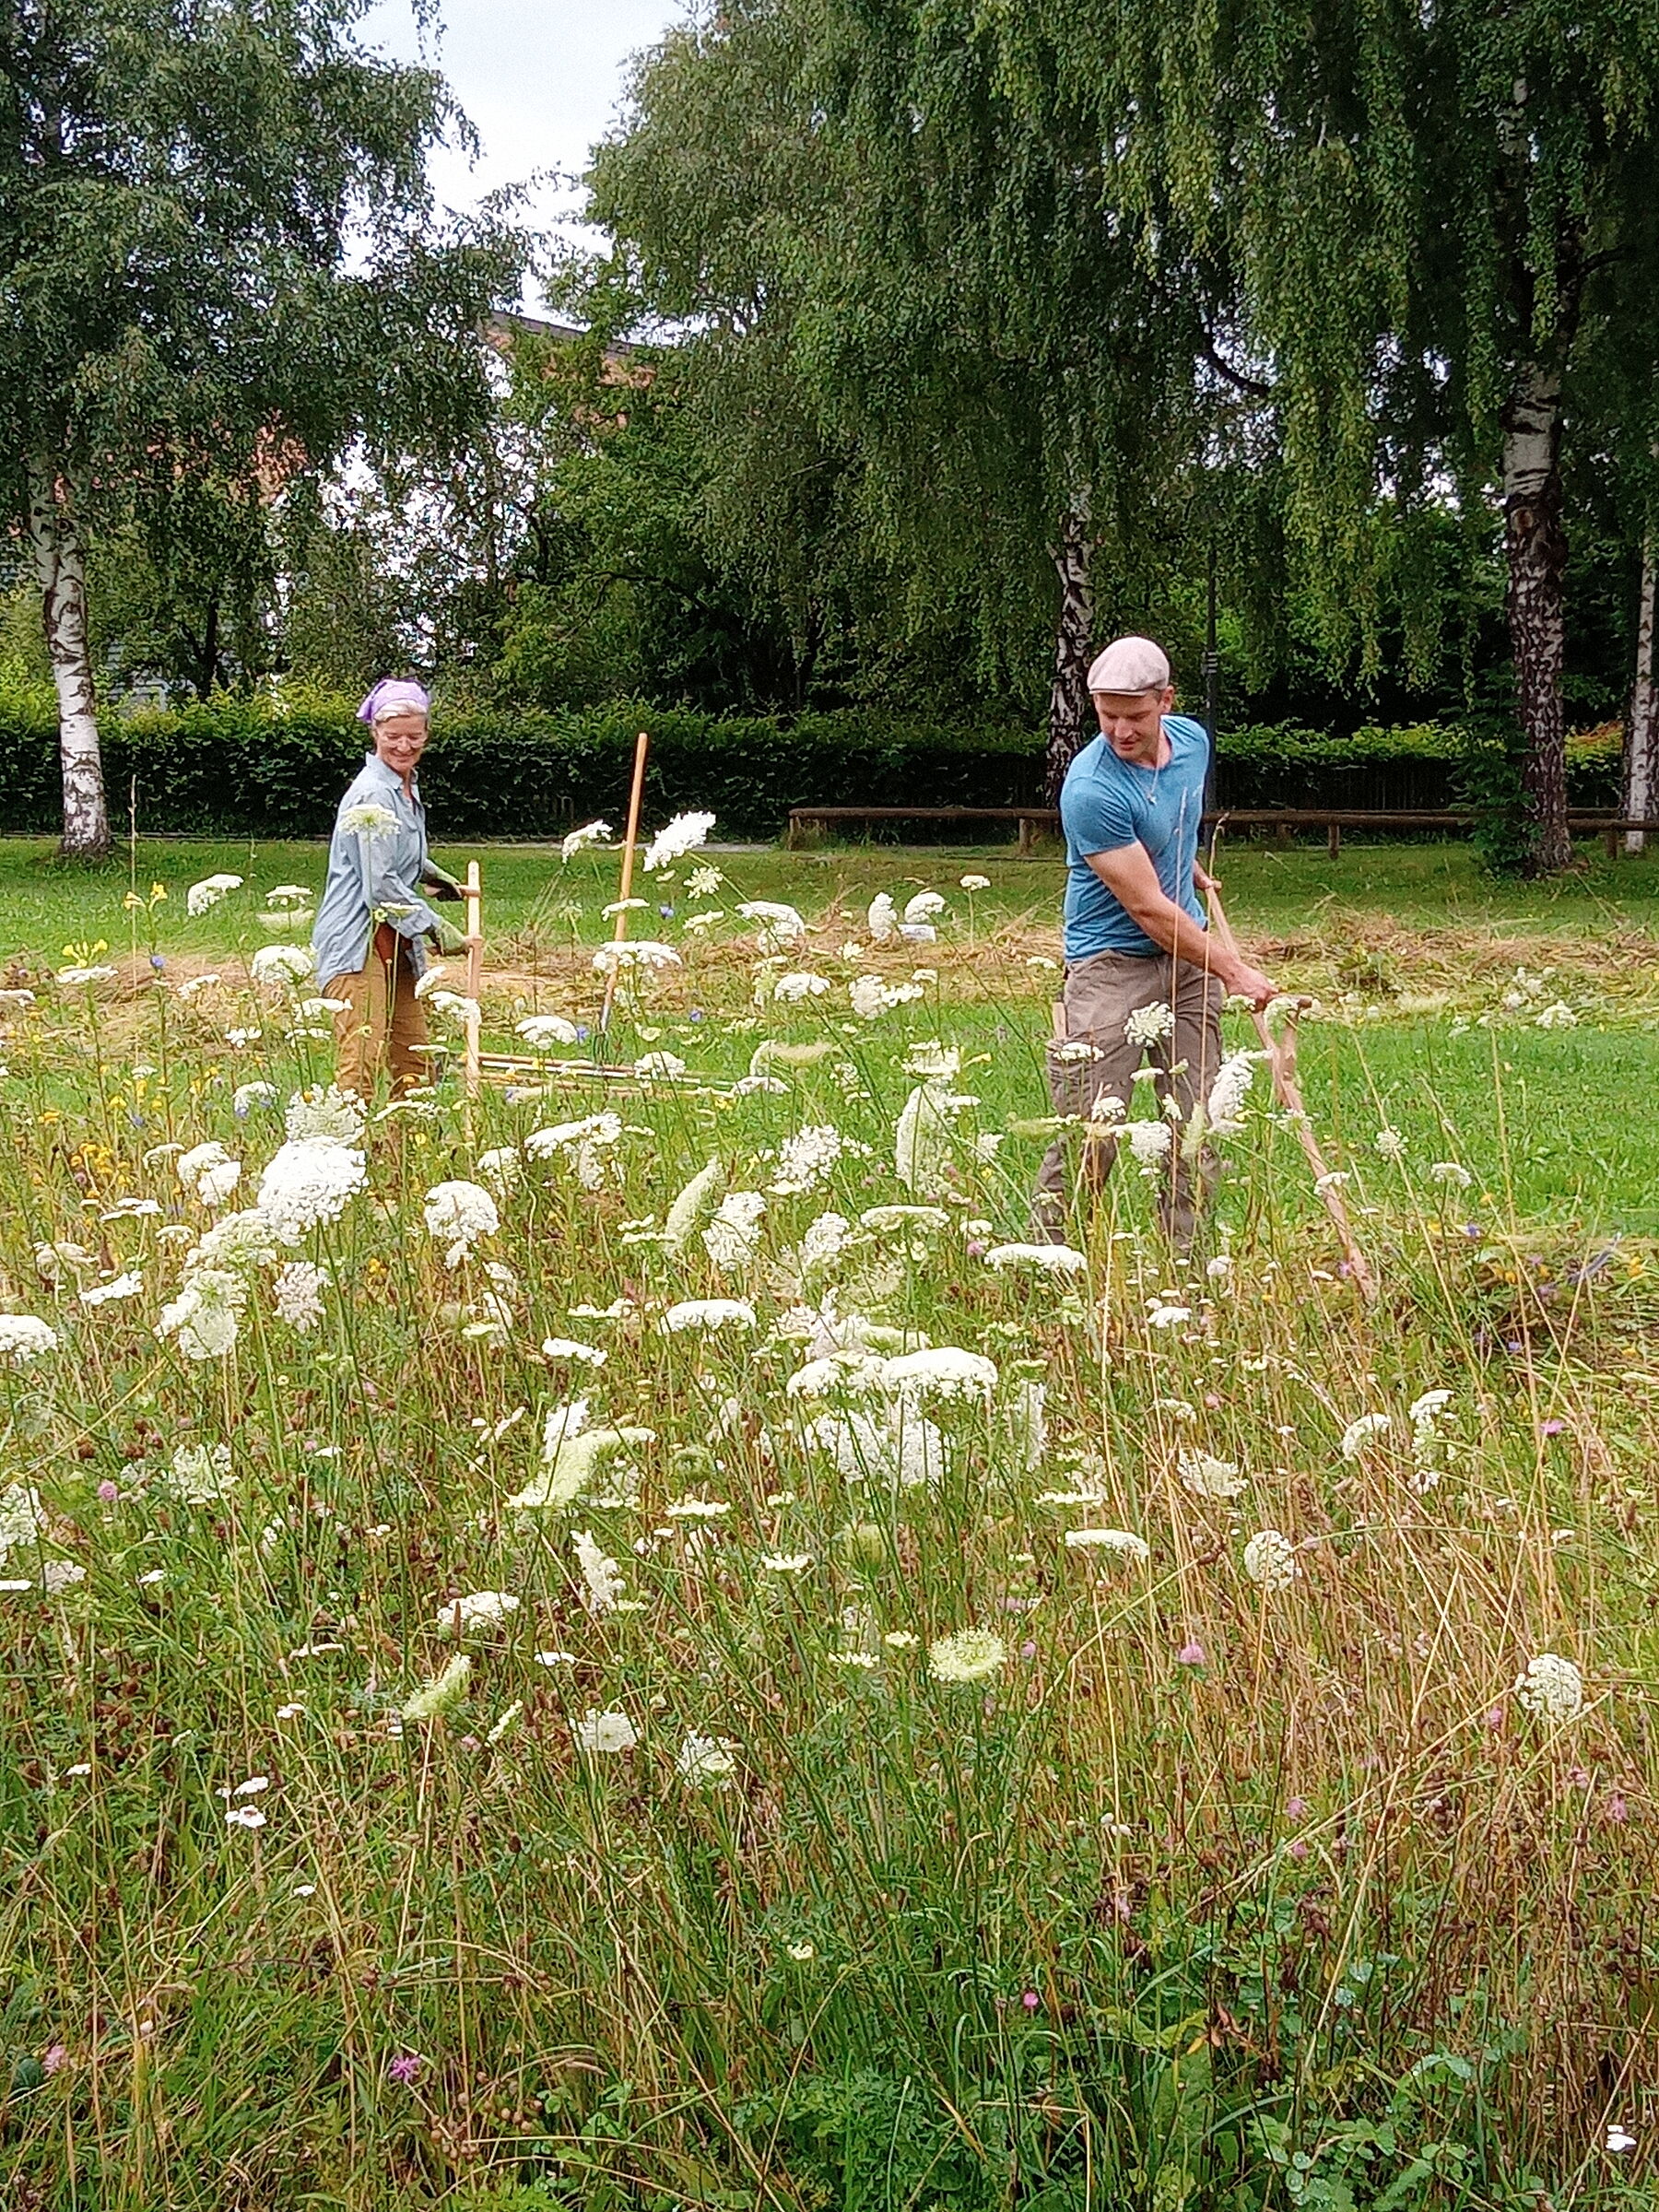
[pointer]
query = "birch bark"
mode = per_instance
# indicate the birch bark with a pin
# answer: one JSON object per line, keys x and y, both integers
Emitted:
{"x": 1071, "y": 723}
{"x": 1641, "y": 728}
{"x": 61, "y": 569}
{"x": 1535, "y": 546}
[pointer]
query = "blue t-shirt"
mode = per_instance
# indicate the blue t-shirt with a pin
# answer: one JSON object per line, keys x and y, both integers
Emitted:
{"x": 1106, "y": 804}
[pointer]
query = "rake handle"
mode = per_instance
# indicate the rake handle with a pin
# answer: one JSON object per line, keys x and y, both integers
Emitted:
{"x": 1281, "y": 1059}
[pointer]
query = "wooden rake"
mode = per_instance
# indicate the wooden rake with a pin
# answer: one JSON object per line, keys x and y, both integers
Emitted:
{"x": 1281, "y": 1060}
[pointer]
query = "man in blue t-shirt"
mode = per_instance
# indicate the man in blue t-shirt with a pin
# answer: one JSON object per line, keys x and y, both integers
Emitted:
{"x": 1142, "y": 977}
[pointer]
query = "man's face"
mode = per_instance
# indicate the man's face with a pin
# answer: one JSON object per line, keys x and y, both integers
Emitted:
{"x": 1132, "y": 722}
{"x": 400, "y": 740}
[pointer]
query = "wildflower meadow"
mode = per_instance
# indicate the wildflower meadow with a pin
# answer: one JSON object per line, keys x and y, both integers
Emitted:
{"x": 631, "y": 1640}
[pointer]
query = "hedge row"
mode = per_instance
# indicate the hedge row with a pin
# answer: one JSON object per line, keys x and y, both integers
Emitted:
{"x": 246, "y": 767}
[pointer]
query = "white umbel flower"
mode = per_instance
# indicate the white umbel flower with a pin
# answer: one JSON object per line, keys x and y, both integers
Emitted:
{"x": 206, "y": 1317}
{"x": 970, "y": 1655}
{"x": 590, "y": 833}
{"x": 602, "y": 1584}
{"x": 298, "y": 1292}
{"x": 1150, "y": 1025}
{"x": 1149, "y": 1142}
{"x": 732, "y": 1237}
{"x": 105, "y": 1294}
{"x": 1123, "y": 1542}
{"x": 882, "y": 920}
{"x": 602, "y": 1733}
{"x": 308, "y": 1181}
{"x": 23, "y": 1339}
{"x": 683, "y": 834}
{"x": 704, "y": 1315}
{"x": 281, "y": 964}
{"x": 325, "y": 1111}
{"x": 945, "y": 1372}
{"x": 706, "y": 1761}
{"x": 209, "y": 1172}
{"x": 541, "y": 1033}
{"x": 209, "y": 891}
{"x": 807, "y": 1159}
{"x": 1047, "y": 1259}
{"x": 478, "y": 1608}
{"x": 463, "y": 1212}
{"x": 1207, "y": 1476}
{"x": 1357, "y": 1434}
{"x": 1270, "y": 1559}
{"x": 780, "y": 925}
{"x": 1551, "y": 1687}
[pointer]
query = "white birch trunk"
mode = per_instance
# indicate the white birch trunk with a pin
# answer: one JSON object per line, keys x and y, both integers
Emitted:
{"x": 61, "y": 567}
{"x": 1071, "y": 723}
{"x": 1641, "y": 726}
{"x": 1536, "y": 544}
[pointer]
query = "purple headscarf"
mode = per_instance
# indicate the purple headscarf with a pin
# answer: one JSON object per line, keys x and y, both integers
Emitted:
{"x": 393, "y": 696}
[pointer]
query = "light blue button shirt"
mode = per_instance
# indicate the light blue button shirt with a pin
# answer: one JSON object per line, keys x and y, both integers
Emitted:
{"x": 373, "y": 875}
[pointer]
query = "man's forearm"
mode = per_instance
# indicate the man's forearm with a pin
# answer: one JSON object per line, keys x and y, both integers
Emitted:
{"x": 1174, "y": 931}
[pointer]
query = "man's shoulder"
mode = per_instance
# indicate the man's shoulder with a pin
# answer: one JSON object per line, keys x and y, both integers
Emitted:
{"x": 1184, "y": 731}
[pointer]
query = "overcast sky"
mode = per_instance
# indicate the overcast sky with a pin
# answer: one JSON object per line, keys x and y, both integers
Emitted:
{"x": 539, "y": 79}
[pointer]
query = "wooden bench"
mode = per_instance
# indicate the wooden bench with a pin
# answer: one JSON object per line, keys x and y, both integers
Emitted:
{"x": 1030, "y": 818}
{"x": 1283, "y": 821}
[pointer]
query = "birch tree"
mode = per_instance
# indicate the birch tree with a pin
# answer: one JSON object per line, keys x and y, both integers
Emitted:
{"x": 1438, "y": 217}
{"x": 216, "y": 265}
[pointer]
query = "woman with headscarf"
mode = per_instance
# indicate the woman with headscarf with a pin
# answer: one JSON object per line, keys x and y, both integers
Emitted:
{"x": 373, "y": 919}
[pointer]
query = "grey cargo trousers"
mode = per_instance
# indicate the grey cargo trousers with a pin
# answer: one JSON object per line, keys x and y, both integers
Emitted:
{"x": 1099, "y": 995}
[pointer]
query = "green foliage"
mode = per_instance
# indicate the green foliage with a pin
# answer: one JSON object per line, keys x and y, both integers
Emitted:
{"x": 264, "y": 768}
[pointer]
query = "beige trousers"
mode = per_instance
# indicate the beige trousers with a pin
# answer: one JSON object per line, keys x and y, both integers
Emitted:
{"x": 1099, "y": 995}
{"x": 382, "y": 1022}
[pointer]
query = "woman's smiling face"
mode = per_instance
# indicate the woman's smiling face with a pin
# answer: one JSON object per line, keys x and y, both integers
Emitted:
{"x": 399, "y": 741}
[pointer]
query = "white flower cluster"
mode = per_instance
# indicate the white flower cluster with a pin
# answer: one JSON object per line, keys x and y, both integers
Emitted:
{"x": 306, "y": 1183}
{"x": 209, "y": 891}
{"x": 463, "y": 1212}
{"x": 732, "y": 1237}
{"x": 1149, "y": 1026}
{"x": 24, "y": 1338}
{"x": 682, "y": 835}
{"x": 1270, "y": 1559}
{"x": 209, "y": 1172}
{"x": 1551, "y": 1687}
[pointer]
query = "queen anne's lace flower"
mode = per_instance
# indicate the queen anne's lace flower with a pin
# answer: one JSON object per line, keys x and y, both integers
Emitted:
{"x": 22, "y": 1517}
{"x": 1551, "y": 1687}
{"x": 206, "y": 1317}
{"x": 1206, "y": 1477}
{"x": 882, "y": 920}
{"x": 1149, "y": 1142}
{"x": 807, "y": 1159}
{"x": 791, "y": 989}
{"x": 1229, "y": 1092}
{"x": 945, "y": 1372}
{"x": 298, "y": 1291}
{"x": 463, "y": 1212}
{"x": 443, "y": 1693}
{"x": 732, "y": 1237}
{"x": 478, "y": 1608}
{"x": 209, "y": 1171}
{"x": 104, "y": 1294}
{"x": 780, "y": 925}
{"x": 308, "y": 1182}
{"x": 683, "y": 834}
{"x": 709, "y": 1314}
{"x": 634, "y": 952}
{"x": 1357, "y": 1434}
{"x": 604, "y": 1731}
{"x": 1047, "y": 1259}
{"x": 281, "y": 964}
{"x": 209, "y": 891}
{"x": 1389, "y": 1144}
{"x": 1147, "y": 1026}
{"x": 602, "y": 1585}
{"x": 970, "y": 1655}
{"x": 591, "y": 833}
{"x": 1270, "y": 1559}
{"x": 705, "y": 1760}
{"x": 541, "y": 1033}
{"x": 23, "y": 1339}
{"x": 822, "y": 1244}
{"x": 1121, "y": 1541}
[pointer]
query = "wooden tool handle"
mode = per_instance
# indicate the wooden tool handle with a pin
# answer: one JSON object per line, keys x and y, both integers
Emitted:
{"x": 475, "y": 972}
